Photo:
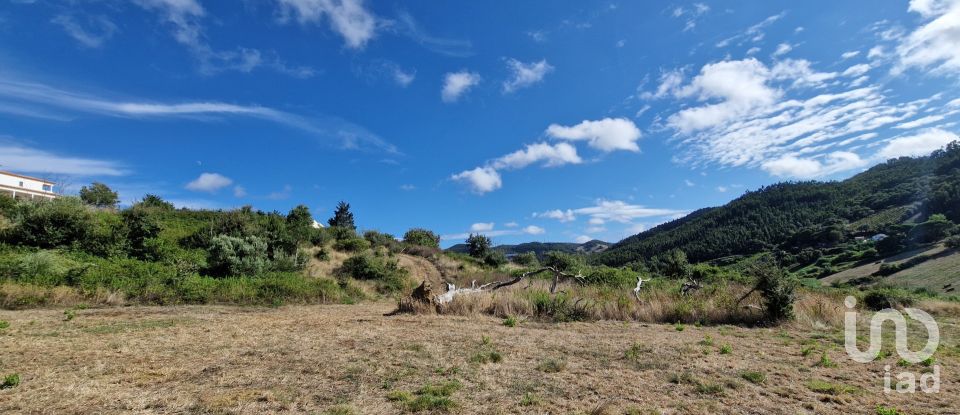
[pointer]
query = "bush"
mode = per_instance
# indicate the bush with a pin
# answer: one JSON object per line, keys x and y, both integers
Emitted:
{"x": 351, "y": 244}
{"x": 615, "y": 277}
{"x": 10, "y": 381}
{"x": 61, "y": 222}
{"x": 143, "y": 229}
{"x": 387, "y": 273}
{"x": 479, "y": 245}
{"x": 776, "y": 287}
{"x": 953, "y": 242}
{"x": 154, "y": 202}
{"x": 563, "y": 261}
{"x": 422, "y": 237}
{"x": 385, "y": 240}
{"x": 233, "y": 256}
{"x": 526, "y": 259}
{"x": 888, "y": 297}
{"x": 495, "y": 259}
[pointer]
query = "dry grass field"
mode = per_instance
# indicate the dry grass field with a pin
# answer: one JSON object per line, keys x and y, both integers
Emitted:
{"x": 343, "y": 359}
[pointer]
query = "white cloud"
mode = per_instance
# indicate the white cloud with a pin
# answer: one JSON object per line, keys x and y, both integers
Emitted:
{"x": 349, "y": 18}
{"x": 239, "y": 191}
{"x": 753, "y": 33}
{"x": 21, "y": 158}
{"x": 456, "y": 84}
{"x": 552, "y": 155}
{"x": 935, "y": 45}
{"x": 857, "y": 70}
{"x": 408, "y": 187}
{"x": 917, "y": 145}
{"x": 740, "y": 85}
{"x": 876, "y": 52}
{"x": 850, "y": 54}
{"x": 533, "y": 230}
{"x": 670, "y": 81}
{"x": 691, "y": 15}
{"x": 511, "y": 224}
{"x": 608, "y": 134}
{"x": 782, "y": 49}
{"x": 809, "y": 168}
{"x": 523, "y": 75}
{"x": 481, "y": 179}
{"x": 98, "y": 30}
{"x": 351, "y": 135}
{"x": 582, "y": 239}
{"x": 481, "y": 227}
{"x": 408, "y": 26}
{"x": 689, "y": 183}
{"x": 753, "y": 51}
{"x": 402, "y": 77}
{"x": 538, "y": 36}
{"x": 557, "y": 214}
{"x": 209, "y": 182}
{"x": 919, "y": 122}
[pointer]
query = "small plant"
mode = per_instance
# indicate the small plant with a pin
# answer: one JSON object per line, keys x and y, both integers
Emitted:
{"x": 928, "y": 361}
{"x": 708, "y": 388}
{"x": 707, "y": 341}
{"x": 338, "y": 410}
{"x": 825, "y": 361}
{"x": 903, "y": 363}
{"x": 10, "y": 381}
{"x": 807, "y": 350}
{"x": 679, "y": 326}
{"x": 883, "y": 410}
{"x": 683, "y": 378}
{"x": 755, "y": 378}
{"x": 485, "y": 341}
{"x": 552, "y": 365}
{"x": 4, "y": 324}
{"x": 487, "y": 357}
{"x": 529, "y": 399}
{"x": 726, "y": 349}
{"x": 430, "y": 397}
{"x": 635, "y": 351}
{"x": 69, "y": 314}
{"x": 510, "y": 321}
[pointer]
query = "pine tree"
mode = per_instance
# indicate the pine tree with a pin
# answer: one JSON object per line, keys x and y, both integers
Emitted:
{"x": 342, "y": 217}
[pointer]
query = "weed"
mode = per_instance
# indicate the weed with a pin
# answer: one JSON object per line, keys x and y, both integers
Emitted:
{"x": 825, "y": 361}
{"x": 707, "y": 341}
{"x": 510, "y": 321}
{"x": 339, "y": 410}
{"x": 824, "y": 387}
{"x": 552, "y": 365}
{"x": 679, "y": 326}
{"x": 69, "y": 314}
{"x": 883, "y": 410}
{"x": 808, "y": 350}
{"x": 635, "y": 351}
{"x": 487, "y": 357}
{"x": 4, "y": 324}
{"x": 485, "y": 341}
{"x": 430, "y": 397}
{"x": 928, "y": 361}
{"x": 903, "y": 363}
{"x": 708, "y": 388}
{"x": 753, "y": 377}
{"x": 529, "y": 399}
{"x": 726, "y": 349}
{"x": 10, "y": 381}
{"x": 682, "y": 378}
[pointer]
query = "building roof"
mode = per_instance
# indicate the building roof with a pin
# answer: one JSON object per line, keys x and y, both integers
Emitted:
{"x": 26, "y": 177}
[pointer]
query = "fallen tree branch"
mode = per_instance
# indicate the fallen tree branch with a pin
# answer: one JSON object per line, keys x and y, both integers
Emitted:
{"x": 640, "y": 281}
{"x": 453, "y": 291}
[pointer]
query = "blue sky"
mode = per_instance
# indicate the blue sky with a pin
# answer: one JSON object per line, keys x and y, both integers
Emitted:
{"x": 536, "y": 120}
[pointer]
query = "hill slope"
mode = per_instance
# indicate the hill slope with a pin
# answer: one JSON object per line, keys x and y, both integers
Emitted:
{"x": 540, "y": 248}
{"x": 807, "y": 214}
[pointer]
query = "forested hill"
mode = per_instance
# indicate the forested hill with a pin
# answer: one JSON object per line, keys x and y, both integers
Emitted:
{"x": 798, "y": 214}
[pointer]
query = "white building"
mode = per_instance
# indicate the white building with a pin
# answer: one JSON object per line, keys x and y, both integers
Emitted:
{"x": 25, "y": 187}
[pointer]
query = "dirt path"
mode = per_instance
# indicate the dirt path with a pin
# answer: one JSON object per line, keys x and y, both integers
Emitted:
{"x": 317, "y": 359}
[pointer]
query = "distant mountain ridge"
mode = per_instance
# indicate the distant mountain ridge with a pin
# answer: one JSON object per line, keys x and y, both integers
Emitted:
{"x": 539, "y": 248}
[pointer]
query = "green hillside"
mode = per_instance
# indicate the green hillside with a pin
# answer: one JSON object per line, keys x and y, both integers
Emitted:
{"x": 809, "y": 218}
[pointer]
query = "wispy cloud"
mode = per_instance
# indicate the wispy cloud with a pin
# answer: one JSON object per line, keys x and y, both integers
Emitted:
{"x": 455, "y": 84}
{"x": 753, "y": 33}
{"x": 523, "y": 75}
{"x": 488, "y": 229}
{"x": 934, "y": 45}
{"x": 21, "y": 157}
{"x": 349, "y": 18}
{"x": 326, "y": 127}
{"x": 408, "y": 26}
{"x": 92, "y": 34}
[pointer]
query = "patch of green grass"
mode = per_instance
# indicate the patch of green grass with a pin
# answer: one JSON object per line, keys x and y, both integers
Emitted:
{"x": 487, "y": 357}
{"x": 430, "y": 397}
{"x": 726, "y": 349}
{"x": 808, "y": 350}
{"x": 825, "y": 361}
{"x": 4, "y": 324}
{"x": 529, "y": 399}
{"x": 928, "y": 361}
{"x": 707, "y": 341}
{"x": 339, "y": 410}
{"x": 682, "y": 378}
{"x": 635, "y": 351}
{"x": 69, "y": 314}
{"x": 903, "y": 363}
{"x": 510, "y": 321}
{"x": 708, "y": 388}
{"x": 399, "y": 396}
{"x": 552, "y": 365}
{"x": 824, "y": 387}
{"x": 753, "y": 377}
{"x": 10, "y": 381}
{"x": 883, "y": 410}
{"x": 679, "y": 326}
{"x": 131, "y": 326}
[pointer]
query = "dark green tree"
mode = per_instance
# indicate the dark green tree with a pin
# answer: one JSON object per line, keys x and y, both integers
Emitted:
{"x": 300, "y": 223}
{"x": 155, "y": 202}
{"x": 479, "y": 245}
{"x": 99, "y": 195}
{"x": 342, "y": 217}
{"x": 143, "y": 231}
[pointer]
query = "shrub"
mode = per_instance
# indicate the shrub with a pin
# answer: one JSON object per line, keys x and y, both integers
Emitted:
{"x": 776, "y": 287}
{"x": 44, "y": 268}
{"x": 495, "y": 259}
{"x": 563, "y": 261}
{"x": 726, "y": 349}
{"x": 888, "y": 297}
{"x": 322, "y": 255}
{"x": 552, "y": 365}
{"x": 154, "y": 202}
{"x": 143, "y": 229}
{"x": 299, "y": 223}
{"x": 99, "y": 195}
{"x": 421, "y": 237}
{"x": 351, "y": 244}
{"x": 57, "y": 223}
{"x": 387, "y": 273}
{"x": 559, "y": 308}
{"x": 953, "y": 242}
{"x": 385, "y": 240}
{"x": 526, "y": 259}
{"x": 4, "y": 324}
{"x": 509, "y": 321}
{"x": 229, "y": 255}
{"x": 753, "y": 377}
{"x": 615, "y": 277}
